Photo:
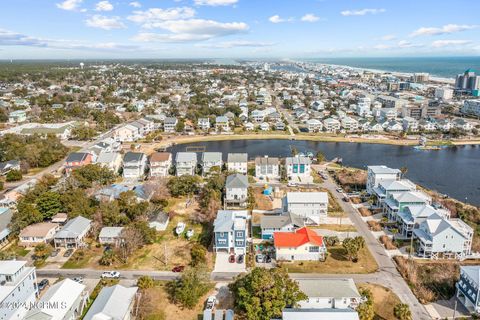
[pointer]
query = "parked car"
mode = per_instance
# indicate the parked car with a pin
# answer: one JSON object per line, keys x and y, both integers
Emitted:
{"x": 346, "y": 199}
{"x": 78, "y": 279}
{"x": 260, "y": 258}
{"x": 268, "y": 259}
{"x": 43, "y": 284}
{"x": 231, "y": 258}
{"x": 240, "y": 258}
{"x": 54, "y": 253}
{"x": 291, "y": 184}
{"x": 111, "y": 275}
{"x": 339, "y": 190}
{"x": 178, "y": 268}
{"x": 68, "y": 253}
{"x": 211, "y": 302}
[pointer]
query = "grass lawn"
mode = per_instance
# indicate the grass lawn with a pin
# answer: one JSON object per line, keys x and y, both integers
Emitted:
{"x": 83, "y": 258}
{"x": 336, "y": 262}
{"x": 157, "y": 306}
{"x": 15, "y": 250}
{"x": 384, "y": 300}
{"x": 316, "y": 177}
{"x": 336, "y": 227}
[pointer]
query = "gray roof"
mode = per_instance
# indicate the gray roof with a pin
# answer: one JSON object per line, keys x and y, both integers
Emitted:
{"x": 133, "y": 156}
{"x": 298, "y": 160}
{"x": 211, "y": 157}
{"x": 237, "y": 157}
{"x": 276, "y": 222}
{"x": 110, "y": 232}
{"x": 112, "y": 303}
{"x": 383, "y": 170}
{"x": 473, "y": 272}
{"x": 237, "y": 181}
{"x": 226, "y": 219}
{"x": 170, "y": 120}
{"x": 76, "y": 156}
{"x": 107, "y": 157}
{"x": 307, "y": 197}
{"x": 73, "y": 228}
{"x": 186, "y": 157}
{"x": 329, "y": 288}
{"x": 266, "y": 161}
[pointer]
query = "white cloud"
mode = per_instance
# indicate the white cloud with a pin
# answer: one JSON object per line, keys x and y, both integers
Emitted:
{"x": 192, "y": 30}
{"x": 135, "y": 4}
{"x": 215, "y": 3}
{"x": 235, "y": 44}
{"x": 310, "y": 17}
{"x": 361, "y": 12}
{"x": 402, "y": 44}
{"x": 69, "y": 5}
{"x": 388, "y": 37}
{"x": 103, "y": 22}
{"x": 150, "y": 17}
{"x": 103, "y": 6}
{"x": 277, "y": 19}
{"x": 447, "y": 43}
{"x": 446, "y": 29}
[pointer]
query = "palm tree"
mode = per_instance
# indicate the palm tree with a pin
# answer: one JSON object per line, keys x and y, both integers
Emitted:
{"x": 404, "y": 171}
{"x": 402, "y": 312}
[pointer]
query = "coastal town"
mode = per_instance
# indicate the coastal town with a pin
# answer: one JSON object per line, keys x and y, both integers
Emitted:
{"x": 97, "y": 207}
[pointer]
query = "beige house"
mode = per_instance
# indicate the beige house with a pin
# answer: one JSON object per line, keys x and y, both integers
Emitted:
{"x": 34, "y": 234}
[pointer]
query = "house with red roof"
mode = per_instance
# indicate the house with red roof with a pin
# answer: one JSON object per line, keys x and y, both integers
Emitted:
{"x": 302, "y": 244}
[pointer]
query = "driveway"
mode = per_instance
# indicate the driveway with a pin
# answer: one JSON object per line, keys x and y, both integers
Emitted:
{"x": 222, "y": 264}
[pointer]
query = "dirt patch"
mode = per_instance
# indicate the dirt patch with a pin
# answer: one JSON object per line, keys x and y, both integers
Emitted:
{"x": 374, "y": 225}
{"x": 351, "y": 179}
{"x": 365, "y": 212}
{"x": 387, "y": 242}
{"x": 384, "y": 300}
{"x": 263, "y": 202}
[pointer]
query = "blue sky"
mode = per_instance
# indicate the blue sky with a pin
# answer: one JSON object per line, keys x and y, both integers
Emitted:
{"x": 77, "y": 29}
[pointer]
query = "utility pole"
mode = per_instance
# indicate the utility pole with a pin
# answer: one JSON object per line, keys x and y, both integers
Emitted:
{"x": 455, "y": 307}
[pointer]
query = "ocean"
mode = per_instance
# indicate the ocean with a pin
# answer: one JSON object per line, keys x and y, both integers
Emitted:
{"x": 442, "y": 67}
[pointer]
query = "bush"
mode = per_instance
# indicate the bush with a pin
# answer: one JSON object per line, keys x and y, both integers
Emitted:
{"x": 387, "y": 242}
{"x": 198, "y": 254}
{"x": 365, "y": 212}
{"x": 374, "y": 225}
{"x": 402, "y": 311}
{"x": 145, "y": 282}
{"x": 14, "y": 175}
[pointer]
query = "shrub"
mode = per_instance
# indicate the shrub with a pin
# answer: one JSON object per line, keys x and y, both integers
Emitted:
{"x": 14, "y": 175}
{"x": 145, "y": 282}
{"x": 365, "y": 212}
{"x": 387, "y": 242}
{"x": 198, "y": 254}
{"x": 402, "y": 311}
{"x": 374, "y": 225}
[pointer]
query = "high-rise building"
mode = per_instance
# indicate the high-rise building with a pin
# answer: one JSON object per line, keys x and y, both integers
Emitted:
{"x": 421, "y": 77}
{"x": 468, "y": 81}
{"x": 471, "y": 107}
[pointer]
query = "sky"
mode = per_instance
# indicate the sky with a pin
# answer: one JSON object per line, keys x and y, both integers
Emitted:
{"x": 96, "y": 29}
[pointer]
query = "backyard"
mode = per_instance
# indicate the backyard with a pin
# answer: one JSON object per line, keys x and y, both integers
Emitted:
{"x": 384, "y": 300}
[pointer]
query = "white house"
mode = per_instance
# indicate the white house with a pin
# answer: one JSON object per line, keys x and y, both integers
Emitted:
{"x": 312, "y": 207}
{"x": 222, "y": 124}
{"x": 314, "y": 125}
{"x": 170, "y": 124}
{"x": 267, "y": 167}
{"x": 110, "y": 160}
{"x": 113, "y": 303}
{"x": 211, "y": 160}
{"x": 299, "y": 245}
{"x": 331, "y": 125}
{"x": 376, "y": 174}
{"x": 298, "y": 167}
{"x": 17, "y": 116}
{"x": 37, "y": 233}
{"x": 329, "y": 293}
{"x": 160, "y": 164}
{"x": 134, "y": 165}
{"x": 349, "y": 124}
{"x": 18, "y": 289}
{"x": 70, "y": 295}
{"x": 237, "y": 162}
{"x": 73, "y": 233}
{"x": 203, "y": 124}
{"x": 236, "y": 190}
{"x": 468, "y": 288}
{"x": 185, "y": 163}
{"x": 230, "y": 231}
{"x": 110, "y": 235}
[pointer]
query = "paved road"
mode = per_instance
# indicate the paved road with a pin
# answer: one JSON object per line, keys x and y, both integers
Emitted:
{"x": 388, "y": 274}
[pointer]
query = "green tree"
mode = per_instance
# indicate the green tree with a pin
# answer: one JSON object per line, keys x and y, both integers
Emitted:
{"x": 83, "y": 133}
{"x": 49, "y": 204}
{"x": 108, "y": 258}
{"x": 183, "y": 185}
{"x": 262, "y": 294}
{"x": 42, "y": 251}
{"x": 91, "y": 174}
{"x": 320, "y": 156}
{"x": 190, "y": 287}
{"x": 402, "y": 312}
{"x": 14, "y": 175}
{"x": 198, "y": 254}
{"x": 180, "y": 126}
{"x": 145, "y": 282}
{"x": 366, "y": 310}
{"x": 352, "y": 246}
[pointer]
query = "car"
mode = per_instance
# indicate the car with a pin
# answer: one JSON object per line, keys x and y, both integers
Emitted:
{"x": 68, "y": 253}
{"x": 178, "y": 268}
{"x": 43, "y": 284}
{"x": 240, "y": 258}
{"x": 339, "y": 190}
{"x": 231, "y": 258}
{"x": 78, "y": 279}
{"x": 111, "y": 275}
{"x": 291, "y": 184}
{"x": 346, "y": 199}
{"x": 268, "y": 259}
{"x": 260, "y": 258}
{"x": 211, "y": 302}
{"x": 54, "y": 253}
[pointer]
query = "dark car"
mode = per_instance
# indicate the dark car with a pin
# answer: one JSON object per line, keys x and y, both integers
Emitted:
{"x": 54, "y": 253}
{"x": 240, "y": 259}
{"x": 346, "y": 199}
{"x": 178, "y": 269}
{"x": 43, "y": 284}
{"x": 268, "y": 259}
{"x": 231, "y": 258}
{"x": 68, "y": 253}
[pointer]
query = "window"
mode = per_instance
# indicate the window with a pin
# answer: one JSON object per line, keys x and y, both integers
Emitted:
{"x": 239, "y": 234}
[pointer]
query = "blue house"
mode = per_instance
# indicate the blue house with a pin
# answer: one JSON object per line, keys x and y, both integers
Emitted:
{"x": 468, "y": 287}
{"x": 230, "y": 231}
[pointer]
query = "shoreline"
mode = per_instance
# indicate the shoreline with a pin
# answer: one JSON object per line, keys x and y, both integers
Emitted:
{"x": 400, "y": 142}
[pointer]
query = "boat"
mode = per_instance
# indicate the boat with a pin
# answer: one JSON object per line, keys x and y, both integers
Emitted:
{"x": 180, "y": 228}
{"x": 428, "y": 147}
{"x": 190, "y": 233}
